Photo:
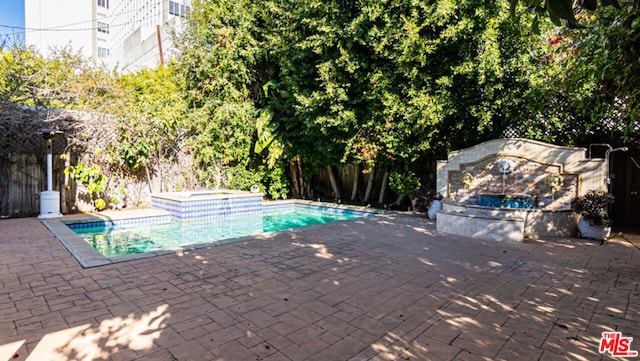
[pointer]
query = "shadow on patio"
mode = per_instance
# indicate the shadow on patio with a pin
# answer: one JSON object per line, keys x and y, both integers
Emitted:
{"x": 385, "y": 288}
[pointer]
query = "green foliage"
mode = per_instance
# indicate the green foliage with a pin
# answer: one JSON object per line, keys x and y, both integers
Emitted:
{"x": 388, "y": 84}
{"x": 392, "y": 82}
{"x": 272, "y": 182}
{"x": 65, "y": 80}
{"x": 133, "y": 155}
{"x": 384, "y": 83}
{"x": 241, "y": 178}
{"x": 99, "y": 203}
{"x": 92, "y": 179}
{"x": 560, "y": 12}
{"x": 586, "y": 88}
{"x": 594, "y": 205}
{"x": 405, "y": 183}
{"x": 277, "y": 185}
{"x": 604, "y": 60}
{"x": 233, "y": 134}
{"x": 149, "y": 111}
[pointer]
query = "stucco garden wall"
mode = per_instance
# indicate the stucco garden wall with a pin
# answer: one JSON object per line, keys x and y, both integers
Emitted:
{"x": 533, "y": 162}
{"x": 552, "y": 175}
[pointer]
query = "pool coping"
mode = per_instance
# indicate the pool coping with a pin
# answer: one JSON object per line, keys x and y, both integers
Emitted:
{"x": 89, "y": 257}
{"x": 203, "y": 195}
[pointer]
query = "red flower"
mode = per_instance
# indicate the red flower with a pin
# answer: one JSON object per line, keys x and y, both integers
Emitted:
{"x": 555, "y": 41}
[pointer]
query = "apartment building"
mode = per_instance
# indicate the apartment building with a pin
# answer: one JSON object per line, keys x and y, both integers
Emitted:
{"x": 125, "y": 34}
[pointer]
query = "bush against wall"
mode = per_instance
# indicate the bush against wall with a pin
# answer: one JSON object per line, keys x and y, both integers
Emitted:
{"x": 134, "y": 132}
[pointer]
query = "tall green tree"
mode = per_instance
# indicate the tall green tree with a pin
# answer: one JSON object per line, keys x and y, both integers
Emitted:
{"x": 586, "y": 88}
{"x": 217, "y": 63}
{"x": 64, "y": 80}
{"x": 305, "y": 91}
{"x": 49, "y": 85}
{"x": 561, "y": 12}
{"x": 602, "y": 61}
{"x": 389, "y": 82}
{"x": 148, "y": 109}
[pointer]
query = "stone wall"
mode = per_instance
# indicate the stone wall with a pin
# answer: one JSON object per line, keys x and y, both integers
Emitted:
{"x": 537, "y": 223}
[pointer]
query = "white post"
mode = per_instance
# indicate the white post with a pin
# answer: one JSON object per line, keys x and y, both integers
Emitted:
{"x": 49, "y": 165}
{"x": 49, "y": 199}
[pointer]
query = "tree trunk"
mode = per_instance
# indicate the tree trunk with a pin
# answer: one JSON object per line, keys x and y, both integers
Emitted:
{"x": 356, "y": 178}
{"x": 367, "y": 193}
{"x": 297, "y": 188}
{"x": 399, "y": 200}
{"x": 305, "y": 187}
{"x": 148, "y": 176}
{"x": 301, "y": 188}
{"x": 334, "y": 183}
{"x": 383, "y": 188}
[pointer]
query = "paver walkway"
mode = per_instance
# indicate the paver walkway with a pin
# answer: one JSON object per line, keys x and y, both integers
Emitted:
{"x": 385, "y": 288}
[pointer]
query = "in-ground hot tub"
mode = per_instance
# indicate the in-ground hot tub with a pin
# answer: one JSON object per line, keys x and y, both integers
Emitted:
{"x": 211, "y": 204}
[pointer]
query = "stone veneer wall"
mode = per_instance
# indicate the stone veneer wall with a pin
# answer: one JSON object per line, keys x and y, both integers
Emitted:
{"x": 536, "y": 223}
{"x": 533, "y": 162}
{"x": 481, "y": 226}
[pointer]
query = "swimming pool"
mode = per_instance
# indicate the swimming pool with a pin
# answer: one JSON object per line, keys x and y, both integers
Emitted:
{"x": 121, "y": 239}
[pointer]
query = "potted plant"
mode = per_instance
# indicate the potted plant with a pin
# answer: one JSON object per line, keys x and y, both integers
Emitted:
{"x": 593, "y": 208}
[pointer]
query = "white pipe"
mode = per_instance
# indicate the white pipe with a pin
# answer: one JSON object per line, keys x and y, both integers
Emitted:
{"x": 606, "y": 158}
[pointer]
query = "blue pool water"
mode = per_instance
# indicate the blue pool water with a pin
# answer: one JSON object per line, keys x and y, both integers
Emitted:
{"x": 119, "y": 240}
{"x": 518, "y": 202}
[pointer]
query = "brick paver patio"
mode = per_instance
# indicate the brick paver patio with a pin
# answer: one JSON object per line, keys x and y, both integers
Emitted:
{"x": 384, "y": 288}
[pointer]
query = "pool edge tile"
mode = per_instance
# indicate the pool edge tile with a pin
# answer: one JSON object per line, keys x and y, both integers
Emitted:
{"x": 88, "y": 257}
{"x": 82, "y": 251}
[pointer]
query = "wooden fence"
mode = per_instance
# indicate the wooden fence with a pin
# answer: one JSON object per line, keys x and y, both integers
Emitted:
{"x": 22, "y": 178}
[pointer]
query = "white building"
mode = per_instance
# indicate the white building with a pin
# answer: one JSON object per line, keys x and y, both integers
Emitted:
{"x": 118, "y": 33}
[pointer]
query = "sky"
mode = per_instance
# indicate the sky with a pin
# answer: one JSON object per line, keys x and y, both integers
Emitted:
{"x": 11, "y": 21}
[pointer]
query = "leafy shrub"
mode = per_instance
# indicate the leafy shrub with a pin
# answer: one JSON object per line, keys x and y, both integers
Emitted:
{"x": 593, "y": 206}
{"x": 92, "y": 179}
{"x": 406, "y": 183}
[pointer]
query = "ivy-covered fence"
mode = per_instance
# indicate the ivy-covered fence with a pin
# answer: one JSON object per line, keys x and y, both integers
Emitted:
{"x": 83, "y": 171}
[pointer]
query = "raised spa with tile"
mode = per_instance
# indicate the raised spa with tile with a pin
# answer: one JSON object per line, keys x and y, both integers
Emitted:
{"x": 210, "y": 204}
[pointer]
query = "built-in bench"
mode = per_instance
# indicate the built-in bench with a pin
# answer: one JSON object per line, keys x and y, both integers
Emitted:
{"x": 481, "y": 226}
